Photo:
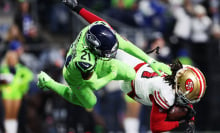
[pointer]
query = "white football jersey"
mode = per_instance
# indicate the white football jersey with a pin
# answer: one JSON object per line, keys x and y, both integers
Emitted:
{"x": 147, "y": 83}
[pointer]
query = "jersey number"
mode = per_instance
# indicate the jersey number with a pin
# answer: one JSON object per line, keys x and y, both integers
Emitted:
{"x": 147, "y": 74}
{"x": 85, "y": 56}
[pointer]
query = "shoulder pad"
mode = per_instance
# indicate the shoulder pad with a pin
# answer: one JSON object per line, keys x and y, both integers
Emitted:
{"x": 84, "y": 66}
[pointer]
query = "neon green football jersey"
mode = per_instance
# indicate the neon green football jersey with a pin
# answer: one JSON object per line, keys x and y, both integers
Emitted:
{"x": 80, "y": 60}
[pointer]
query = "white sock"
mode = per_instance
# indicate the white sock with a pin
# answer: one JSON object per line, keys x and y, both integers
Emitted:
{"x": 131, "y": 125}
{"x": 11, "y": 126}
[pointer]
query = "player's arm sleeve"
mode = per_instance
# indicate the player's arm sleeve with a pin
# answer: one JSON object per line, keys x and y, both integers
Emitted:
{"x": 122, "y": 70}
{"x": 97, "y": 83}
{"x": 158, "y": 121}
{"x": 118, "y": 71}
{"x": 90, "y": 77}
{"x": 130, "y": 48}
{"x": 87, "y": 15}
{"x": 124, "y": 44}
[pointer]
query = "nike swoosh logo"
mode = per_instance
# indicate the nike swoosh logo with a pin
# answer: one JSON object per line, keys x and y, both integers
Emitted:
{"x": 86, "y": 65}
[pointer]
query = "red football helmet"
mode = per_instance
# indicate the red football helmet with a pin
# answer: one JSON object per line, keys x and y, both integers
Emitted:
{"x": 190, "y": 84}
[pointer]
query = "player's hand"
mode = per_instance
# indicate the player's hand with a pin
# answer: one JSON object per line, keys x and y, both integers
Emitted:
{"x": 190, "y": 127}
{"x": 43, "y": 80}
{"x": 70, "y": 3}
{"x": 158, "y": 66}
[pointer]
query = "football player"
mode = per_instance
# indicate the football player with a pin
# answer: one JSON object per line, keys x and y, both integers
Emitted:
{"x": 184, "y": 87}
{"x": 90, "y": 62}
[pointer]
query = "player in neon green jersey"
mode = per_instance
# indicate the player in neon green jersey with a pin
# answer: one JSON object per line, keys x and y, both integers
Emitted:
{"x": 91, "y": 64}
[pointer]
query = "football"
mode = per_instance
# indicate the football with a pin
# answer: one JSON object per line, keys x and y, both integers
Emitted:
{"x": 177, "y": 113}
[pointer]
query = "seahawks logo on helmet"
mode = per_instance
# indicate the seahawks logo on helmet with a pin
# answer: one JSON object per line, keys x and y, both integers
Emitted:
{"x": 92, "y": 39}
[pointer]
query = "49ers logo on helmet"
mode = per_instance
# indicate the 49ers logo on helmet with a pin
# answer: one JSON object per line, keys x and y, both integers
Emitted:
{"x": 189, "y": 85}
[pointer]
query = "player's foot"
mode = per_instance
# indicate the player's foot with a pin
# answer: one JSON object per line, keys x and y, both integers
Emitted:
{"x": 43, "y": 80}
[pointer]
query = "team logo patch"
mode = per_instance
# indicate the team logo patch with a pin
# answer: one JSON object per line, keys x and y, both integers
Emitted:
{"x": 92, "y": 39}
{"x": 189, "y": 85}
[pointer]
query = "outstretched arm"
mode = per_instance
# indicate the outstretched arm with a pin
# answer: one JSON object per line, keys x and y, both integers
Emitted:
{"x": 130, "y": 48}
{"x": 118, "y": 71}
{"x": 123, "y": 43}
{"x": 88, "y": 16}
{"x": 97, "y": 83}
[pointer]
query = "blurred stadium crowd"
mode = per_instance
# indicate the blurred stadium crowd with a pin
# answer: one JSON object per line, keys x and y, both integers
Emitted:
{"x": 42, "y": 31}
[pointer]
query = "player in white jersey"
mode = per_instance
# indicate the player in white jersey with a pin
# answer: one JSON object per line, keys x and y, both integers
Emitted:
{"x": 148, "y": 83}
{"x": 185, "y": 86}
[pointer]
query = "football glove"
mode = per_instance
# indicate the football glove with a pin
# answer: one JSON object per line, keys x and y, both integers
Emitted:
{"x": 158, "y": 66}
{"x": 70, "y": 3}
{"x": 43, "y": 80}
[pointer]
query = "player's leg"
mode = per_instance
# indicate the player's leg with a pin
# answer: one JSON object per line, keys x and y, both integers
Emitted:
{"x": 86, "y": 96}
{"x": 46, "y": 82}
